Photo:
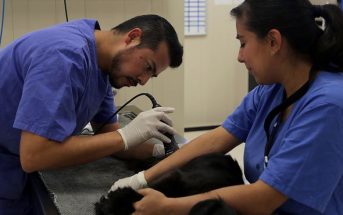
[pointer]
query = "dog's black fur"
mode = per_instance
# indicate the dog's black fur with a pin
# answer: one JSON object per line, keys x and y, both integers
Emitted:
{"x": 200, "y": 175}
{"x": 212, "y": 207}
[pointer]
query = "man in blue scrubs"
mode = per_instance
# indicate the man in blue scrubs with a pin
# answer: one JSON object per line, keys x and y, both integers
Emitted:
{"x": 56, "y": 80}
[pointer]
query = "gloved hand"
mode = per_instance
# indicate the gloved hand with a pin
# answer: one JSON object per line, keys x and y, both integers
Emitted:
{"x": 158, "y": 151}
{"x": 136, "y": 182}
{"x": 148, "y": 124}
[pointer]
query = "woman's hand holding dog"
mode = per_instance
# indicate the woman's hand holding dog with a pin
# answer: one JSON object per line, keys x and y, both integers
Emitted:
{"x": 137, "y": 181}
{"x": 153, "y": 203}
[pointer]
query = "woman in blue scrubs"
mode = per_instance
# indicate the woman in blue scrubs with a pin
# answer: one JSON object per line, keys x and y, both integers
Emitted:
{"x": 292, "y": 122}
{"x": 56, "y": 80}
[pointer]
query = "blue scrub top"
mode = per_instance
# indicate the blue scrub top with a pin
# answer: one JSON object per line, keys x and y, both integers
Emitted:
{"x": 50, "y": 85}
{"x": 305, "y": 162}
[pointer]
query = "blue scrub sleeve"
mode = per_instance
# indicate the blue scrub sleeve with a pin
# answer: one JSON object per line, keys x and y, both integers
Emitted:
{"x": 241, "y": 120}
{"x": 107, "y": 109}
{"x": 47, "y": 106}
{"x": 308, "y": 166}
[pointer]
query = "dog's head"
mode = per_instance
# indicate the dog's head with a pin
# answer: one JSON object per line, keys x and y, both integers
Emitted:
{"x": 118, "y": 202}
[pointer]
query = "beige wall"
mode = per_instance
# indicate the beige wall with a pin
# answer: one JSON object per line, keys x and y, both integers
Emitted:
{"x": 319, "y": 2}
{"x": 215, "y": 82}
{"x": 23, "y": 16}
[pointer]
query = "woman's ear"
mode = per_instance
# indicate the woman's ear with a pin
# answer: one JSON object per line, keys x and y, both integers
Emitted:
{"x": 274, "y": 40}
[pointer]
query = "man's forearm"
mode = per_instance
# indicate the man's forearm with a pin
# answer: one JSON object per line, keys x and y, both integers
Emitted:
{"x": 38, "y": 153}
{"x": 142, "y": 151}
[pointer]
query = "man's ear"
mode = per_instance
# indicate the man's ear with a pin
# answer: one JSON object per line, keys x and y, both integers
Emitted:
{"x": 274, "y": 39}
{"x": 133, "y": 37}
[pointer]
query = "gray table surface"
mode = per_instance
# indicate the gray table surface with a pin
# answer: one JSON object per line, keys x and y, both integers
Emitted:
{"x": 76, "y": 189}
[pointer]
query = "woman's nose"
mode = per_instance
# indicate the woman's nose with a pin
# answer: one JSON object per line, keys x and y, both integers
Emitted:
{"x": 240, "y": 57}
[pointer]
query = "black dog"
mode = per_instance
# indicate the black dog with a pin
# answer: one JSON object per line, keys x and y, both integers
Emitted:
{"x": 212, "y": 207}
{"x": 200, "y": 175}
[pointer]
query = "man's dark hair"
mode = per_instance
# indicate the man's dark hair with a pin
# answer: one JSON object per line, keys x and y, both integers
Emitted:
{"x": 155, "y": 29}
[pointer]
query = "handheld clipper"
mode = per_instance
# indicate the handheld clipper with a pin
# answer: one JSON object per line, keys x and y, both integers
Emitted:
{"x": 171, "y": 147}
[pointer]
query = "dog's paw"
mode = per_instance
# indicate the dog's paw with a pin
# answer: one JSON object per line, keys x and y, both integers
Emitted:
{"x": 118, "y": 202}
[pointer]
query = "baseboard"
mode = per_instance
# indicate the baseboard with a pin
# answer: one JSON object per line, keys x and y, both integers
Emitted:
{"x": 201, "y": 128}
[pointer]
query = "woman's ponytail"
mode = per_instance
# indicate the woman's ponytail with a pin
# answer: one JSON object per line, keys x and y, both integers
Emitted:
{"x": 328, "y": 53}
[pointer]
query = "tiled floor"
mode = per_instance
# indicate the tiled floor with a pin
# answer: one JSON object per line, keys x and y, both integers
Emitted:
{"x": 236, "y": 153}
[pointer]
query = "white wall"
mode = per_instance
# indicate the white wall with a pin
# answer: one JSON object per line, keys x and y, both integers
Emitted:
{"x": 22, "y": 16}
{"x": 215, "y": 82}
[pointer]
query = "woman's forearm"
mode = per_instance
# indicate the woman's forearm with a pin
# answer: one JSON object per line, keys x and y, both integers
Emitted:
{"x": 217, "y": 140}
{"x": 183, "y": 205}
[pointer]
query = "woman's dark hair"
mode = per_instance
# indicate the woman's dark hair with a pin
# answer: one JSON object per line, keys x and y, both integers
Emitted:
{"x": 295, "y": 19}
{"x": 155, "y": 29}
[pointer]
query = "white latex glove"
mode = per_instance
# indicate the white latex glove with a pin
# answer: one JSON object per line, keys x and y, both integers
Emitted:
{"x": 136, "y": 182}
{"x": 158, "y": 151}
{"x": 158, "y": 148}
{"x": 148, "y": 124}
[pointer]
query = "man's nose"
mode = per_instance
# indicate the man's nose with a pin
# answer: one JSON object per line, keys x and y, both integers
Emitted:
{"x": 143, "y": 79}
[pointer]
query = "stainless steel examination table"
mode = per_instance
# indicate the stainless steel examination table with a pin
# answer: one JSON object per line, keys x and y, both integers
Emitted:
{"x": 74, "y": 190}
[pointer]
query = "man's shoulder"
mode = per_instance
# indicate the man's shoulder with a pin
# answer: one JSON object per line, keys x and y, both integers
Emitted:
{"x": 83, "y": 24}
{"x": 75, "y": 35}
{"x": 79, "y": 27}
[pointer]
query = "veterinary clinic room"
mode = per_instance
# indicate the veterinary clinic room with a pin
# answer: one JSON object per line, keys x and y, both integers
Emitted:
{"x": 171, "y": 107}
